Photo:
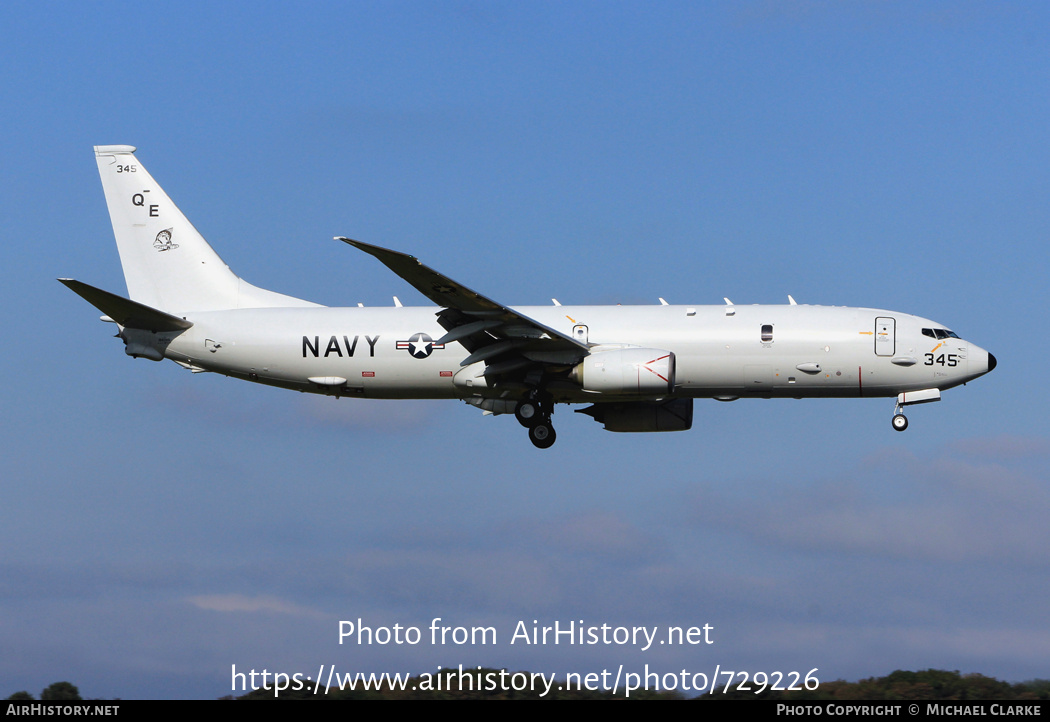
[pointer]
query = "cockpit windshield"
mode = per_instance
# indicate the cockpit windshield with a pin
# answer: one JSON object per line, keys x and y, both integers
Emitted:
{"x": 939, "y": 333}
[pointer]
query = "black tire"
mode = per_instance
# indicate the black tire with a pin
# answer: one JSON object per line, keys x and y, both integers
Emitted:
{"x": 542, "y": 435}
{"x": 900, "y": 422}
{"x": 528, "y": 413}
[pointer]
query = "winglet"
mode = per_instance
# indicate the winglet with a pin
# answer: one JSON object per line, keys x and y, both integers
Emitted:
{"x": 384, "y": 255}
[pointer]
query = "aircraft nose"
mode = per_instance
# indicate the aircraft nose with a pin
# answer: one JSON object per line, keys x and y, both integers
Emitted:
{"x": 981, "y": 362}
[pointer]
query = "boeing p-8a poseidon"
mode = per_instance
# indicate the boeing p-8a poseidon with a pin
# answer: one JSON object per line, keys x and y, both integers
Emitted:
{"x": 639, "y": 367}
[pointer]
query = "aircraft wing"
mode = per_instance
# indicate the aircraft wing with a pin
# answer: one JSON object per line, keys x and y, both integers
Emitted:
{"x": 508, "y": 341}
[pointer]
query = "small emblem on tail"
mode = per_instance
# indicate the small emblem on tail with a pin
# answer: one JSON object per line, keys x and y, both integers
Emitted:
{"x": 163, "y": 241}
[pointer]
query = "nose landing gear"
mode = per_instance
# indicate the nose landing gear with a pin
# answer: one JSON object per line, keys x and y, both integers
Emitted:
{"x": 923, "y": 396}
{"x": 900, "y": 421}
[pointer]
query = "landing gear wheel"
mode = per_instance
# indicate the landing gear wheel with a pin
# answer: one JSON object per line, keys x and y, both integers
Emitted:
{"x": 542, "y": 435}
{"x": 900, "y": 422}
{"x": 528, "y": 413}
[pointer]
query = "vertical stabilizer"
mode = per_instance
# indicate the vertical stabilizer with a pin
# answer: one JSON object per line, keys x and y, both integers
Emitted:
{"x": 167, "y": 264}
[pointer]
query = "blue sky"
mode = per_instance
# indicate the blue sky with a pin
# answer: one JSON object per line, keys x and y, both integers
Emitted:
{"x": 158, "y": 527}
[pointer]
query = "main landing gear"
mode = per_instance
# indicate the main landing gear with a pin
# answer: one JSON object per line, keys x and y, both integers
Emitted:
{"x": 536, "y": 417}
{"x": 542, "y": 434}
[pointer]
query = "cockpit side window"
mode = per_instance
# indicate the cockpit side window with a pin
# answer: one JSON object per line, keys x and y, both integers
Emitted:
{"x": 928, "y": 332}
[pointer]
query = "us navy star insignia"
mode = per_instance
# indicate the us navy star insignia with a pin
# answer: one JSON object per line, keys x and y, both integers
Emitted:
{"x": 419, "y": 345}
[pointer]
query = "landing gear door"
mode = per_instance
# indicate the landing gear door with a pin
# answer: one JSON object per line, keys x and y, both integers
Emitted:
{"x": 885, "y": 336}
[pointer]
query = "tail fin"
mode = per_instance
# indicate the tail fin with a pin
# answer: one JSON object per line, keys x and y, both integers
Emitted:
{"x": 167, "y": 264}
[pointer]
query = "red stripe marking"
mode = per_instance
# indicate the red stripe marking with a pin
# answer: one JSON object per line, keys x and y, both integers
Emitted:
{"x": 646, "y": 367}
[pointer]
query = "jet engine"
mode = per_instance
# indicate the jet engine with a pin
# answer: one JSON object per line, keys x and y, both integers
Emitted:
{"x": 641, "y": 371}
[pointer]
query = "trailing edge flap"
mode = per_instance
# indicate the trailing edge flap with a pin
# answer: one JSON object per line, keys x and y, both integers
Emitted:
{"x": 446, "y": 293}
{"x": 127, "y": 313}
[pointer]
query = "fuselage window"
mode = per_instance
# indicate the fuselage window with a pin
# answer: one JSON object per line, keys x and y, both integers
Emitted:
{"x": 767, "y": 333}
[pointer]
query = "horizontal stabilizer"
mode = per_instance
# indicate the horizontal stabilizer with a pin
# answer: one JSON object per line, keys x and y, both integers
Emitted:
{"x": 127, "y": 313}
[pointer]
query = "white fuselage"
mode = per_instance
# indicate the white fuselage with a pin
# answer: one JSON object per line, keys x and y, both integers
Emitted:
{"x": 721, "y": 351}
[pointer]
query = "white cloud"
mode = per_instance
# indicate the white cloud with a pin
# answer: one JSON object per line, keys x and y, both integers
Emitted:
{"x": 242, "y": 603}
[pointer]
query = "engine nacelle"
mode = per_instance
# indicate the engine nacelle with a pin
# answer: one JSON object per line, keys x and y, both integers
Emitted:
{"x": 636, "y": 416}
{"x": 641, "y": 371}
